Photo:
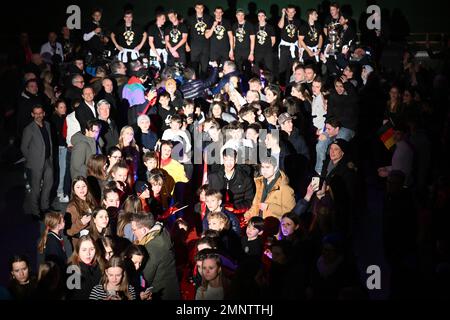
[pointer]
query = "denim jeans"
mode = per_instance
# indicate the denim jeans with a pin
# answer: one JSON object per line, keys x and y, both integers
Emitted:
{"x": 322, "y": 146}
{"x": 62, "y": 168}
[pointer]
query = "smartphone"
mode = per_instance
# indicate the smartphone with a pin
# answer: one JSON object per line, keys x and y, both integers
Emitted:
{"x": 316, "y": 183}
{"x": 149, "y": 290}
{"x": 112, "y": 293}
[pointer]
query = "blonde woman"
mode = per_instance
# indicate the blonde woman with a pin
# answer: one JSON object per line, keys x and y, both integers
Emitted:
{"x": 130, "y": 151}
{"x": 114, "y": 284}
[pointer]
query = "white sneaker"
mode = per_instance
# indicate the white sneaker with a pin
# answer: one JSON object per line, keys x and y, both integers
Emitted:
{"x": 63, "y": 199}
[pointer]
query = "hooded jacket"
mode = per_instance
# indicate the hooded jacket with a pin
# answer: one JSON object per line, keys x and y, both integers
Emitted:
{"x": 83, "y": 148}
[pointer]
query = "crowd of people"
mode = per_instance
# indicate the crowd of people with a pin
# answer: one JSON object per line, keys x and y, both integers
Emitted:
{"x": 210, "y": 159}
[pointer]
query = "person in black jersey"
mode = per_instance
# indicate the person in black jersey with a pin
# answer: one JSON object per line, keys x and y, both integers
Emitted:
{"x": 264, "y": 42}
{"x": 244, "y": 42}
{"x": 199, "y": 44}
{"x": 222, "y": 38}
{"x": 310, "y": 38}
{"x": 176, "y": 35}
{"x": 156, "y": 41}
{"x": 288, "y": 49}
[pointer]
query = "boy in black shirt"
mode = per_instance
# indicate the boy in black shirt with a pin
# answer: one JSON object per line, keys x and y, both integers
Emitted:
{"x": 157, "y": 42}
{"x": 310, "y": 38}
{"x": 176, "y": 35}
{"x": 221, "y": 36}
{"x": 252, "y": 244}
{"x": 288, "y": 49}
{"x": 129, "y": 38}
{"x": 162, "y": 114}
{"x": 244, "y": 42}
{"x": 199, "y": 44}
{"x": 265, "y": 40}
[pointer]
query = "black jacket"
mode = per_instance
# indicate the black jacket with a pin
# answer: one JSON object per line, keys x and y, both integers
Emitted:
{"x": 83, "y": 114}
{"x": 57, "y": 124}
{"x": 344, "y": 107}
{"x": 344, "y": 183}
{"x": 241, "y": 187}
{"x": 296, "y": 142}
{"x": 193, "y": 89}
{"x": 72, "y": 93}
{"x": 54, "y": 251}
{"x": 25, "y": 105}
{"x": 90, "y": 277}
{"x": 109, "y": 134}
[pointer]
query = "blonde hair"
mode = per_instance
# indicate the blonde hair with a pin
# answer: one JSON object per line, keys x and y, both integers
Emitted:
{"x": 222, "y": 217}
{"x": 117, "y": 262}
{"x": 122, "y": 132}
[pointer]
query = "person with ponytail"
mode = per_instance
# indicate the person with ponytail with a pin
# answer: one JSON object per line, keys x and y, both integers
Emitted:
{"x": 52, "y": 243}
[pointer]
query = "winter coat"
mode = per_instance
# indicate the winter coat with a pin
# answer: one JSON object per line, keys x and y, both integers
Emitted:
{"x": 280, "y": 200}
{"x": 160, "y": 271}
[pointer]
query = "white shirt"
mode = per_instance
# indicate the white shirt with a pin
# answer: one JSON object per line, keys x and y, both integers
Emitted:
{"x": 48, "y": 49}
{"x": 92, "y": 107}
{"x": 318, "y": 112}
{"x": 73, "y": 126}
{"x": 210, "y": 293}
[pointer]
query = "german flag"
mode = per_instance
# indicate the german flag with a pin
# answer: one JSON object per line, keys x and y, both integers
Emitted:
{"x": 386, "y": 134}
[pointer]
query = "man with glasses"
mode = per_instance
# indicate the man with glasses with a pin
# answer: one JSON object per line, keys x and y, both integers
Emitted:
{"x": 37, "y": 148}
{"x": 159, "y": 271}
{"x": 75, "y": 91}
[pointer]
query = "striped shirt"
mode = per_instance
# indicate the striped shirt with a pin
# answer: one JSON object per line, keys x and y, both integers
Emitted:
{"x": 99, "y": 293}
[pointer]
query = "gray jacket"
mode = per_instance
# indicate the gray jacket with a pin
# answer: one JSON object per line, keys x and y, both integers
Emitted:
{"x": 83, "y": 148}
{"x": 33, "y": 146}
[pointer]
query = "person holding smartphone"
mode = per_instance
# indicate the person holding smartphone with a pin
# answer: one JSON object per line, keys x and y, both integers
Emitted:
{"x": 114, "y": 284}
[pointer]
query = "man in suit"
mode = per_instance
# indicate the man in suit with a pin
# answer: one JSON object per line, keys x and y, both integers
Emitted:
{"x": 37, "y": 149}
{"x": 86, "y": 110}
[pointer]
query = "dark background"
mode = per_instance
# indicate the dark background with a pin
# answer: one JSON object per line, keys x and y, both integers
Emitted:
{"x": 39, "y": 17}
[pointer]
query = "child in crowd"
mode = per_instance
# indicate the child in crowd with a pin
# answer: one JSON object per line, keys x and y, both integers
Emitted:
{"x": 145, "y": 138}
{"x": 229, "y": 240}
{"x": 150, "y": 160}
{"x": 252, "y": 243}
{"x": 214, "y": 204}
